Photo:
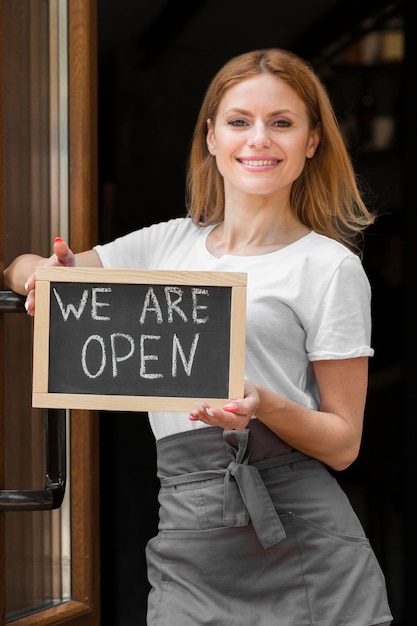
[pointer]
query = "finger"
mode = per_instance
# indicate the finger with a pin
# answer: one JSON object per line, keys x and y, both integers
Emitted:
{"x": 30, "y": 283}
{"x": 231, "y": 407}
{"x": 205, "y": 409}
{"x": 30, "y": 303}
{"x": 63, "y": 252}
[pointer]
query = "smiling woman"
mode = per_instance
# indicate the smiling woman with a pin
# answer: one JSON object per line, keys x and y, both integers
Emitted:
{"x": 245, "y": 487}
{"x": 261, "y": 137}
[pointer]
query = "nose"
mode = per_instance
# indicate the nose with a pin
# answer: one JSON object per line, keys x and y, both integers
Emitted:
{"x": 259, "y": 136}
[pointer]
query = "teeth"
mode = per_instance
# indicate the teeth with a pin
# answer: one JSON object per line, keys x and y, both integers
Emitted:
{"x": 259, "y": 163}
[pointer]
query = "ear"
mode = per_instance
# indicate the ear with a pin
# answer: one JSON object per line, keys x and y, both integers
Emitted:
{"x": 313, "y": 142}
{"x": 210, "y": 138}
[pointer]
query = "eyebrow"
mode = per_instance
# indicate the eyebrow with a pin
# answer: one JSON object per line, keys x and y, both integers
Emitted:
{"x": 272, "y": 114}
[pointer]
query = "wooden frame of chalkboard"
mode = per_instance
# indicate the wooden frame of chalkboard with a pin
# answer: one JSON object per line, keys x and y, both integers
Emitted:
{"x": 137, "y": 340}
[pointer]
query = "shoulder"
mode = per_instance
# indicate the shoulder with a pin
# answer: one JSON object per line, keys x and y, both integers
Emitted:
{"x": 323, "y": 264}
{"x": 177, "y": 227}
{"x": 328, "y": 255}
{"x": 151, "y": 246}
{"x": 324, "y": 246}
{"x": 174, "y": 224}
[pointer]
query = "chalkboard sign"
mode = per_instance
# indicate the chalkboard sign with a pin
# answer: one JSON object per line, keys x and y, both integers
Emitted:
{"x": 137, "y": 340}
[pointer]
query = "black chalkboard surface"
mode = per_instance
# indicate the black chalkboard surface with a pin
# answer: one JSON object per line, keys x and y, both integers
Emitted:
{"x": 137, "y": 340}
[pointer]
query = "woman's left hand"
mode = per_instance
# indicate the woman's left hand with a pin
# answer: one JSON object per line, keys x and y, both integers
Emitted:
{"x": 234, "y": 415}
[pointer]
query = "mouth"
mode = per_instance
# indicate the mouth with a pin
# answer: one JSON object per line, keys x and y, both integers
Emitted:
{"x": 258, "y": 162}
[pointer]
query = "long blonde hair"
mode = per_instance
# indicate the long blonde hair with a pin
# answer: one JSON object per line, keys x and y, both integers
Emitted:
{"x": 326, "y": 197}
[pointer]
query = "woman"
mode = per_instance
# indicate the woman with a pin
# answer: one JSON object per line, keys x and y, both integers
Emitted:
{"x": 254, "y": 530}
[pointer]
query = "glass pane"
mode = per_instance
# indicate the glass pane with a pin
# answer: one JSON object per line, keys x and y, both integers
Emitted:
{"x": 35, "y": 148}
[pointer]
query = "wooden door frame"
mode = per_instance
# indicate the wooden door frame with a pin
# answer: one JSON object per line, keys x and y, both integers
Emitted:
{"x": 84, "y": 607}
{"x": 83, "y": 177}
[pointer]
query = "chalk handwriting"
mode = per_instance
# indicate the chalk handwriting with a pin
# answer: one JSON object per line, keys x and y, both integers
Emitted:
{"x": 141, "y": 339}
{"x": 144, "y": 357}
{"x": 173, "y": 298}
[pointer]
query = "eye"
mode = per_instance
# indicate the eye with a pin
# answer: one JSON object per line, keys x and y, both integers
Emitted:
{"x": 282, "y": 123}
{"x": 237, "y": 122}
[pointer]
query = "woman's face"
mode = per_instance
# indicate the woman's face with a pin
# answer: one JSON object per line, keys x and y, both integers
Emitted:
{"x": 261, "y": 136}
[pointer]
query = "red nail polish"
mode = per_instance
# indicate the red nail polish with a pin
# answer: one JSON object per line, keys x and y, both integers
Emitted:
{"x": 231, "y": 407}
{"x": 58, "y": 239}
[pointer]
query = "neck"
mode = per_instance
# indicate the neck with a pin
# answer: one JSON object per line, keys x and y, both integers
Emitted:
{"x": 255, "y": 231}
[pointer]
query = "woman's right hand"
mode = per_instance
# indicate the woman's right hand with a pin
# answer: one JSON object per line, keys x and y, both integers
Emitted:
{"x": 20, "y": 275}
{"x": 62, "y": 256}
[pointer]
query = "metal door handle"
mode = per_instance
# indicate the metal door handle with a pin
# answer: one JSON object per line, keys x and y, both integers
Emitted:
{"x": 52, "y": 495}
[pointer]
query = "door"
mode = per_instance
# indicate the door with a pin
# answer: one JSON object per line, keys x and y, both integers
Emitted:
{"x": 49, "y": 499}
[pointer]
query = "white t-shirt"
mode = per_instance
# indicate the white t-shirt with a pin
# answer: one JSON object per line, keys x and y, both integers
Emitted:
{"x": 308, "y": 301}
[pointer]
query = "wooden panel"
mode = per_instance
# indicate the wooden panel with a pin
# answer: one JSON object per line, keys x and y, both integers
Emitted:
{"x": 83, "y": 124}
{"x": 84, "y": 607}
{"x": 25, "y": 156}
{"x": 83, "y": 234}
{"x": 2, "y": 398}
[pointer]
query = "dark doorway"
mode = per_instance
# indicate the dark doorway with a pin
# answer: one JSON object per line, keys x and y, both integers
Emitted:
{"x": 155, "y": 61}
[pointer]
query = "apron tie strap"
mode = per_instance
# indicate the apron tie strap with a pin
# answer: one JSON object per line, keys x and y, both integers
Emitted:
{"x": 243, "y": 483}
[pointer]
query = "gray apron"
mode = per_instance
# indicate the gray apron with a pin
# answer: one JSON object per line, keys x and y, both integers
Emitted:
{"x": 254, "y": 533}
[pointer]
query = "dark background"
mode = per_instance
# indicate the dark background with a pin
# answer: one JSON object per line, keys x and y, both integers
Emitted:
{"x": 156, "y": 58}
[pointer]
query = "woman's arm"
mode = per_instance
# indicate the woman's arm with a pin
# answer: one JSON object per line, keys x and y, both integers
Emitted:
{"x": 331, "y": 434}
{"x": 20, "y": 274}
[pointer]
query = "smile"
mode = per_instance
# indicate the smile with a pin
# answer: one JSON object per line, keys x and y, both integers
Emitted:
{"x": 259, "y": 163}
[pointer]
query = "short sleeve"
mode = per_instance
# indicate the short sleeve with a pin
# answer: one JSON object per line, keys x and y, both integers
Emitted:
{"x": 341, "y": 324}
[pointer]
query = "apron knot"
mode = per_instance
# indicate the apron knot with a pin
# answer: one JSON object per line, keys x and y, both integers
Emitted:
{"x": 245, "y": 494}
